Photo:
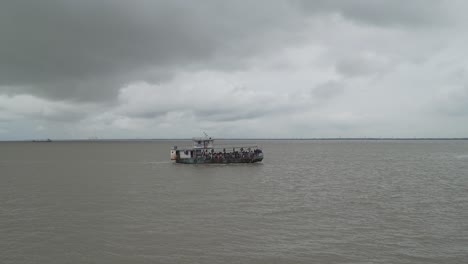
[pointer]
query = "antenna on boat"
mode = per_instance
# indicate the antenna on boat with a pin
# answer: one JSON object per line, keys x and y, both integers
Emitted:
{"x": 206, "y": 135}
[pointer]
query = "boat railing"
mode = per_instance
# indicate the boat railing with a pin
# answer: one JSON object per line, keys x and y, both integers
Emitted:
{"x": 222, "y": 148}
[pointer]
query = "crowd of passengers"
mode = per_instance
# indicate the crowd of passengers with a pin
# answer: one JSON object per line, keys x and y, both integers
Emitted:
{"x": 231, "y": 155}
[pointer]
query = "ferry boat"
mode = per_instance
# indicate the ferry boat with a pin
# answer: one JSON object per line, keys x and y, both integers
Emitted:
{"x": 203, "y": 151}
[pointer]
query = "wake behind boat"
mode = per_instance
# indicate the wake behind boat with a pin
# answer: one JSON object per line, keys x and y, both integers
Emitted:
{"x": 203, "y": 151}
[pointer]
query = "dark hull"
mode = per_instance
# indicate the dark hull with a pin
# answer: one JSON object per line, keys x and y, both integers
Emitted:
{"x": 219, "y": 161}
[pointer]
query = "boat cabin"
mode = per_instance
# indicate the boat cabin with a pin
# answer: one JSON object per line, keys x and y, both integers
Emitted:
{"x": 203, "y": 143}
{"x": 200, "y": 146}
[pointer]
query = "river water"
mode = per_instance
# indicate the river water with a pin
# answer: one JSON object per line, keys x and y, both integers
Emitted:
{"x": 311, "y": 201}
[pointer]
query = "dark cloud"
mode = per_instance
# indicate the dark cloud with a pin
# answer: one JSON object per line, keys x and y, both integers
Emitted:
{"x": 27, "y": 107}
{"x": 61, "y": 117}
{"x": 147, "y": 115}
{"x": 383, "y": 12}
{"x": 328, "y": 90}
{"x": 351, "y": 66}
{"x": 87, "y": 50}
{"x": 151, "y": 65}
{"x": 230, "y": 115}
{"x": 453, "y": 103}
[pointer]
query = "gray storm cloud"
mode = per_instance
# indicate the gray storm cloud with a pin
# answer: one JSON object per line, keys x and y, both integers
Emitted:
{"x": 275, "y": 68}
{"x": 87, "y": 50}
{"x": 397, "y": 13}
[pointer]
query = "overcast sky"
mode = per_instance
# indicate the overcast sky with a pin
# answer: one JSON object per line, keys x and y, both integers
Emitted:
{"x": 173, "y": 69}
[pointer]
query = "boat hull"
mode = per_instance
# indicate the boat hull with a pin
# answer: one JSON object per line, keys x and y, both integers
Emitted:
{"x": 218, "y": 161}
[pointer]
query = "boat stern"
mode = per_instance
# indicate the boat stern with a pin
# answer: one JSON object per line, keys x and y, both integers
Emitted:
{"x": 174, "y": 153}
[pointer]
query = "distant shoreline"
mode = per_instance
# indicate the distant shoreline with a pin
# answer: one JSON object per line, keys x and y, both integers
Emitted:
{"x": 248, "y": 139}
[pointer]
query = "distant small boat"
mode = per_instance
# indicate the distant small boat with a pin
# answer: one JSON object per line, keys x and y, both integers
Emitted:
{"x": 43, "y": 140}
{"x": 204, "y": 152}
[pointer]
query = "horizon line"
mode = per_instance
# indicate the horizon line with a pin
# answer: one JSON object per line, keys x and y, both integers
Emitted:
{"x": 265, "y": 138}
